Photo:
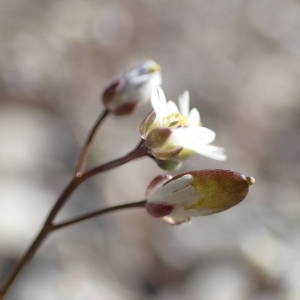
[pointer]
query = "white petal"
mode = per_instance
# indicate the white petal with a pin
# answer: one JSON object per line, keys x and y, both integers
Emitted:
{"x": 166, "y": 192}
{"x": 185, "y": 197}
{"x": 146, "y": 67}
{"x": 211, "y": 151}
{"x": 156, "y": 183}
{"x": 192, "y": 137}
{"x": 175, "y": 221}
{"x": 178, "y": 183}
{"x": 178, "y": 215}
{"x": 131, "y": 73}
{"x": 158, "y": 101}
{"x": 184, "y": 103}
{"x": 171, "y": 108}
{"x": 194, "y": 117}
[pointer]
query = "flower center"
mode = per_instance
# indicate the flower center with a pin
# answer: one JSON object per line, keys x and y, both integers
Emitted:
{"x": 176, "y": 120}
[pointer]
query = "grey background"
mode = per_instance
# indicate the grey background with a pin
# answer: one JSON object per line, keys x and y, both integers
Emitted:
{"x": 239, "y": 60}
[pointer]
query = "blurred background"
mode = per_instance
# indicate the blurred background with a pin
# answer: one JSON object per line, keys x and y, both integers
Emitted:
{"x": 239, "y": 59}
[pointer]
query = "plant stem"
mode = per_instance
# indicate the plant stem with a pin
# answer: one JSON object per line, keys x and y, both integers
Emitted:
{"x": 87, "y": 145}
{"x": 139, "y": 151}
{"x": 26, "y": 257}
{"x": 98, "y": 213}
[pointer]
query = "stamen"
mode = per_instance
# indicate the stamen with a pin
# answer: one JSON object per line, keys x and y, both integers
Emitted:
{"x": 176, "y": 120}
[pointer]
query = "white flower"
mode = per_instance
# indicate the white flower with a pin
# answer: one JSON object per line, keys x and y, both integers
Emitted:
{"x": 134, "y": 86}
{"x": 171, "y": 133}
{"x": 196, "y": 193}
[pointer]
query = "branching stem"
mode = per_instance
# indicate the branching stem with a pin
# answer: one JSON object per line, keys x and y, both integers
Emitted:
{"x": 79, "y": 177}
{"x": 97, "y": 213}
{"x": 87, "y": 146}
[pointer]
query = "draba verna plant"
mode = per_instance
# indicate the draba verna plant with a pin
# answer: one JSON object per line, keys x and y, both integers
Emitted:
{"x": 169, "y": 134}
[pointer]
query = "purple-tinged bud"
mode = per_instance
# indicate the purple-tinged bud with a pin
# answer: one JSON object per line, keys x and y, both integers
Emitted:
{"x": 197, "y": 193}
{"x": 122, "y": 96}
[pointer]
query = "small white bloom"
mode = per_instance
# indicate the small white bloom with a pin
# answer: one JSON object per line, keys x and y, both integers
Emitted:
{"x": 186, "y": 134}
{"x": 135, "y": 85}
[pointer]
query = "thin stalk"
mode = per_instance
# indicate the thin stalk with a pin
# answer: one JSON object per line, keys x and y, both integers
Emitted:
{"x": 98, "y": 213}
{"x": 140, "y": 151}
{"x": 87, "y": 145}
{"x": 137, "y": 152}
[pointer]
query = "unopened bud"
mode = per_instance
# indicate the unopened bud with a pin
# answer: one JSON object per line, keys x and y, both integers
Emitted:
{"x": 136, "y": 85}
{"x": 197, "y": 193}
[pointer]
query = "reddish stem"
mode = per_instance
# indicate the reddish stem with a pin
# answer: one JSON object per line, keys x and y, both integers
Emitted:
{"x": 48, "y": 226}
{"x": 98, "y": 213}
{"x": 87, "y": 145}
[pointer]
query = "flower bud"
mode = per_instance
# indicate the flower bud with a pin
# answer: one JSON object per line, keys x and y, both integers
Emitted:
{"x": 196, "y": 193}
{"x": 136, "y": 85}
